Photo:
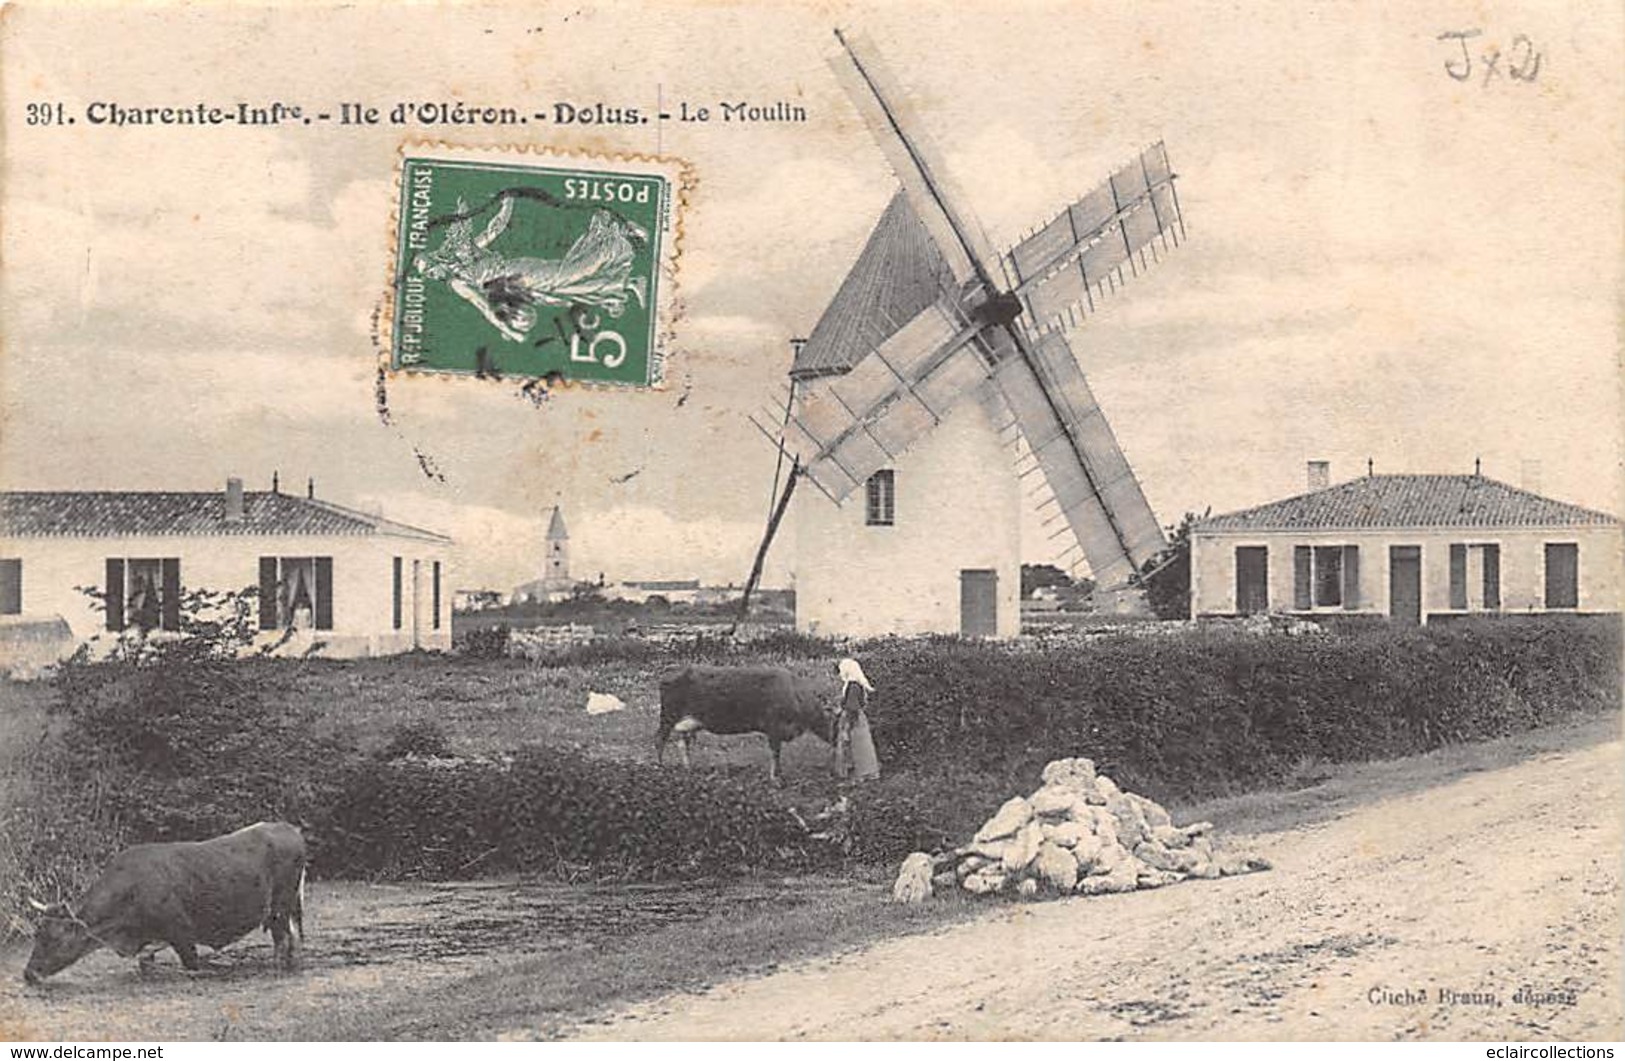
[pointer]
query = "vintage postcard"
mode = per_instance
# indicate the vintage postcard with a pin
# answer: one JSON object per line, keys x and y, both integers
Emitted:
{"x": 880, "y": 521}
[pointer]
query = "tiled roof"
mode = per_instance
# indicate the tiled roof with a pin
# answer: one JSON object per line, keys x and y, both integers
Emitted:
{"x": 899, "y": 274}
{"x": 120, "y": 513}
{"x": 1409, "y": 501}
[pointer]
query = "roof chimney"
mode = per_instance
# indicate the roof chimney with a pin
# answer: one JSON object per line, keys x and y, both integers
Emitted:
{"x": 1320, "y": 475}
{"x": 276, "y": 483}
{"x": 234, "y": 500}
{"x": 310, "y": 488}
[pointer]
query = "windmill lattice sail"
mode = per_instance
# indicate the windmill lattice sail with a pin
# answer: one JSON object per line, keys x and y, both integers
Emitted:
{"x": 1063, "y": 269}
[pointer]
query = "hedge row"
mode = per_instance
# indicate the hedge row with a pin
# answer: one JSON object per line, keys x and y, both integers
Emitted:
{"x": 552, "y": 812}
{"x": 197, "y": 746}
{"x": 1210, "y": 712}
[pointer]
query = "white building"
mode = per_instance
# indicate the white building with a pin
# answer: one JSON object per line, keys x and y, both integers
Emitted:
{"x": 931, "y": 545}
{"x": 359, "y": 584}
{"x": 1410, "y": 547}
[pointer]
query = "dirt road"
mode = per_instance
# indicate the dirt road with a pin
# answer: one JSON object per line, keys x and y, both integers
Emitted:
{"x": 1428, "y": 916}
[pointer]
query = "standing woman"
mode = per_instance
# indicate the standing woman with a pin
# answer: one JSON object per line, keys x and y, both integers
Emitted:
{"x": 855, "y": 748}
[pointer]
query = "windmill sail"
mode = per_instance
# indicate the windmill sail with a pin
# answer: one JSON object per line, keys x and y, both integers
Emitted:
{"x": 920, "y": 170}
{"x": 1063, "y": 269}
{"x": 886, "y": 361}
{"x": 1091, "y": 480}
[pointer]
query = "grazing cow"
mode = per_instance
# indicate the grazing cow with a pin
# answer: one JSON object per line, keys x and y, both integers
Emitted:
{"x": 209, "y": 892}
{"x": 766, "y": 700}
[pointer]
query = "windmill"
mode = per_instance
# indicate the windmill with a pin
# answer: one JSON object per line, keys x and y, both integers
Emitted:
{"x": 931, "y": 316}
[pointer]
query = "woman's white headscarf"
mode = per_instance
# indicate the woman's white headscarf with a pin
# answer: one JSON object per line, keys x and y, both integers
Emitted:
{"x": 851, "y": 671}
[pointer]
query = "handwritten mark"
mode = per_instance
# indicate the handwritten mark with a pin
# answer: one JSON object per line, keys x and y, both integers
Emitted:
{"x": 616, "y": 480}
{"x": 1522, "y": 60}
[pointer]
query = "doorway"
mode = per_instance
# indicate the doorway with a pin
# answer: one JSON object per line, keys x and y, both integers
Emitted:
{"x": 1405, "y": 583}
{"x": 978, "y": 602}
{"x": 1252, "y": 579}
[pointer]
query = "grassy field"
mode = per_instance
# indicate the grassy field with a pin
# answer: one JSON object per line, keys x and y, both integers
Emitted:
{"x": 525, "y": 985}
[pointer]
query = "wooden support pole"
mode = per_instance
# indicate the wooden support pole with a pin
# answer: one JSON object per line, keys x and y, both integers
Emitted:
{"x": 767, "y": 540}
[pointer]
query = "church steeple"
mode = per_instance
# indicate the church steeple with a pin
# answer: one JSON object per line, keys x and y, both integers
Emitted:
{"x": 556, "y": 574}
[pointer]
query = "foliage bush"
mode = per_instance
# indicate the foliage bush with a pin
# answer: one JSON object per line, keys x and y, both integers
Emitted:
{"x": 555, "y": 812}
{"x": 425, "y": 738}
{"x": 486, "y": 642}
{"x": 1211, "y": 712}
{"x": 168, "y": 738}
{"x": 177, "y": 739}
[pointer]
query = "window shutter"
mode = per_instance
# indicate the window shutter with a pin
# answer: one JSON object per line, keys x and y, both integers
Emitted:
{"x": 1302, "y": 589}
{"x": 267, "y": 593}
{"x": 1458, "y": 577}
{"x": 11, "y": 587}
{"x": 324, "y": 593}
{"x": 1562, "y": 575}
{"x": 395, "y": 598}
{"x": 1351, "y": 577}
{"x": 1492, "y": 577}
{"x": 436, "y": 594}
{"x": 169, "y": 599}
{"x": 115, "y": 594}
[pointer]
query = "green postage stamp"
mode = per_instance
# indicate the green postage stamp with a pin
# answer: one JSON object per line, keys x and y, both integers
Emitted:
{"x": 527, "y": 264}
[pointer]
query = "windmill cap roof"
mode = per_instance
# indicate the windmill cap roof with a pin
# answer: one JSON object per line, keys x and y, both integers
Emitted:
{"x": 1409, "y": 501}
{"x": 897, "y": 276}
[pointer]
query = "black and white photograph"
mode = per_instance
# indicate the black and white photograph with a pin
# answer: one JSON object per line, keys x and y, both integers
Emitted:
{"x": 839, "y": 522}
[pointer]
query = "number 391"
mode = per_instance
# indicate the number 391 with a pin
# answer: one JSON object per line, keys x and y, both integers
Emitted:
{"x": 46, "y": 114}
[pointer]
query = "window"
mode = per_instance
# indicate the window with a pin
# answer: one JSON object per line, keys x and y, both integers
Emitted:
{"x": 11, "y": 587}
{"x": 144, "y": 593}
{"x": 1325, "y": 576}
{"x": 881, "y": 507}
{"x": 1475, "y": 577}
{"x": 296, "y": 592}
{"x": 1562, "y": 575}
{"x": 435, "y": 586}
{"x": 395, "y": 594}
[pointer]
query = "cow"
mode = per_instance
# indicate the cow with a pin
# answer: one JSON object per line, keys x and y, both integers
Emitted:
{"x": 208, "y": 892}
{"x": 767, "y": 700}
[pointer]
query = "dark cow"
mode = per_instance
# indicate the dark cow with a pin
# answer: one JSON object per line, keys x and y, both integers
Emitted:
{"x": 766, "y": 700}
{"x": 210, "y": 892}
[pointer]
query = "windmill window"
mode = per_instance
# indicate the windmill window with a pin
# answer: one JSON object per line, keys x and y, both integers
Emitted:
{"x": 1562, "y": 575}
{"x": 144, "y": 593}
{"x": 1325, "y": 576}
{"x": 1475, "y": 577}
{"x": 880, "y": 509}
{"x": 296, "y": 592}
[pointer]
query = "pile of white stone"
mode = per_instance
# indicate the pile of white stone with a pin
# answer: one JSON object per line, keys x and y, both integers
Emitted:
{"x": 1079, "y": 833}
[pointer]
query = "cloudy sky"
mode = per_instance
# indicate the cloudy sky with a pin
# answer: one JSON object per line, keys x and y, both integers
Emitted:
{"x": 1384, "y": 262}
